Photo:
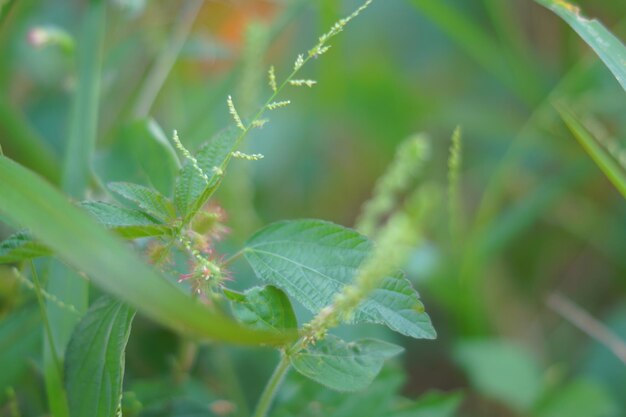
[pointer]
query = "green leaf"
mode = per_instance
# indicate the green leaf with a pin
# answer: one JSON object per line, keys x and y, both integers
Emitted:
{"x": 432, "y": 404}
{"x": 78, "y": 240}
{"x": 501, "y": 371}
{"x": 158, "y": 396}
{"x": 191, "y": 191}
{"x": 20, "y": 247}
{"x": 94, "y": 361}
{"x": 312, "y": 260}
{"x": 20, "y": 338}
{"x": 128, "y": 223}
{"x": 608, "y": 47}
{"x": 179, "y": 408}
{"x": 22, "y": 142}
{"x": 149, "y": 200}
{"x": 142, "y": 154}
{"x": 396, "y": 305}
{"x": 341, "y": 365}
{"x": 580, "y": 398}
{"x": 265, "y": 308}
{"x": 614, "y": 172}
{"x": 303, "y": 397}
{"x": 480, "y": 44}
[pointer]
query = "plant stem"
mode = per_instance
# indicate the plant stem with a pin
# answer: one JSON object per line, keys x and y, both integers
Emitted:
{"x": 53, "y": 370}
{"x": 63, "y": 282}
{"x": 247, "y": 128}
{"x": 265, "y": 402}
{"x": 44, "y": 317}
{"x": 233, "y": 257}
{"x": 227, "y": 373}
{"x": 588, "y": 324}
{"x": 165, "y": 61}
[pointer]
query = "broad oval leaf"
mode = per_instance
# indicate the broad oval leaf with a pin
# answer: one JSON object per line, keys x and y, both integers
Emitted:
{"x": 265, "y": 308}
{"x": 312, "y": 260}
{"x": 20, "y": 247}
{"x": 191, "y": 190}
{"x": 149, "y": 200}
{"x": 128, "y": 223}
{"x": 94, "y": 360}
{"x": 77, "y": 239}
{"x": 343, "y": 366}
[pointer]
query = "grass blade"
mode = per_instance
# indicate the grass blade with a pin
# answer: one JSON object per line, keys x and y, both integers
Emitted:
{"x": 601, "y": 157}
{"x": 608, "y": 47}
{"x": 480, "y": 46}
{"x": 21, "y": 141}
{"x": 64, "y": 283}
{"x": 86, "y": 246}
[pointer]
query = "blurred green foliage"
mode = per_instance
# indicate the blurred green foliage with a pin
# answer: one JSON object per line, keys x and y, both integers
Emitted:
{"x": 536, "y": 215}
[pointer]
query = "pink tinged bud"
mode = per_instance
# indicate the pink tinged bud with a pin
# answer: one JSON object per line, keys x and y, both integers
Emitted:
{"x": 38, "y": 37}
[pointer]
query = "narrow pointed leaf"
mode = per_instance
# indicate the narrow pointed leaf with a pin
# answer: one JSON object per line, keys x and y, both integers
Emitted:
{"x": 95, "y": 359}
{"x": 191, "y": 190}
{"x": 264, "y": 308}
{"x": 614, "y": 172}
{"x": 128, "y": 223}
{"x": 21, "y": 247}
{"x": 341, "y": 365}
{"x": 77, "y": 239}
{"x": 608, "y": 47}
{"x": 147, "y": 199}
{"x": 312, "y": 260}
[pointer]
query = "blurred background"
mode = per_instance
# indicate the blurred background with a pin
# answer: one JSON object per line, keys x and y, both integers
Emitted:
{"x": 541, "y": 236}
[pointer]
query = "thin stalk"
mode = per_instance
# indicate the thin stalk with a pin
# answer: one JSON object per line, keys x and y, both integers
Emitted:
{"x": 233, "y": 257}
{"x": 320, "y": 48}
{"x": 63, "y": 282}
{"x": 202, "y": 126}
{"x": 228, "y": 375}
{"x": 246, "y": 129}
{"x": 165, "y": 61}
{"x": 186, "y": 358}
{"x": 454, "y": 200}
{"x": 84, "y": 116}
{"x": 588, "y": 324}
{"x": 44, "y": 317}
{"x": 269, "y": 393}
{"x": 53, "y": 371}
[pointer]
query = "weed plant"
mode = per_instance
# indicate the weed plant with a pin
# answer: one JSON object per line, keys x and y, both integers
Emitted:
{"x": 98, "y": 239}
